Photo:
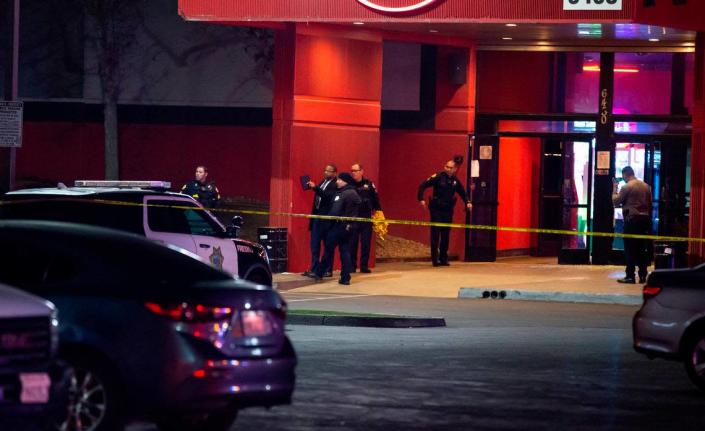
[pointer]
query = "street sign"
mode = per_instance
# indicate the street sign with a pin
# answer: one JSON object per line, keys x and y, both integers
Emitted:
{"x": 11, "y": 124}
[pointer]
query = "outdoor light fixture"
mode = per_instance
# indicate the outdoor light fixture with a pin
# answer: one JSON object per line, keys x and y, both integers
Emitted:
{"x": 510, "y": 25}
{"x": 595, "y": 68}
{"x": 506, "y": 38}
{"x": 653, "y": 40}
{"x": 433, "y": 30}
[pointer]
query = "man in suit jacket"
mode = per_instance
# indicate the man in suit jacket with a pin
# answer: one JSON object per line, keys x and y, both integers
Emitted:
{"x": 324, "y": 193}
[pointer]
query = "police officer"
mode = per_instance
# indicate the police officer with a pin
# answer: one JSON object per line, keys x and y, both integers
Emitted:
{"x": 635, "y": 200}
{"x": 324, "y": 193}
{"x": 369, "y": 203}
{"x": 345, "y": 204}
{"x": 445, "y": 186}
{"x": 206, "y": 192}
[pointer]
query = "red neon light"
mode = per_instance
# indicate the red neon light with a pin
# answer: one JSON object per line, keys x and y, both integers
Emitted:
{"x": 399, "y": 9}
{"x": 616, "y": 69}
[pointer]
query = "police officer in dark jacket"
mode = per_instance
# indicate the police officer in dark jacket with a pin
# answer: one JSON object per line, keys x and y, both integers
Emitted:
{"x": 204, "y": 191}
{"x": 345, "y": 204}
{"x": 369, "y": 203}
{"x": 445, "y": 186}
{"x": 324, "y": 193}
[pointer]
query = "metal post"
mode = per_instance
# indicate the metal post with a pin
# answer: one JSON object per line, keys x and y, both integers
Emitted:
{"x": 7, "y": 176}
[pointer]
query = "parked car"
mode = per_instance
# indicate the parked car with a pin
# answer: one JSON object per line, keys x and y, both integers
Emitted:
{"x": 147, "y": 209}
{"x": 32, "y": 382}
{"x": 671, "y": 321}
{"x": 151, "y": 331}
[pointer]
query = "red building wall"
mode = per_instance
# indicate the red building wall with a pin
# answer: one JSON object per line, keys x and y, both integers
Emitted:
{"x": 513, "y": 82}
{"x": 408, "y": 159}
{"x": 239, "y": 158}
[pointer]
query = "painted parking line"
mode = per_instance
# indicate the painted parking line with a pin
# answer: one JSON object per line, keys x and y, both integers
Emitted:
{"x": 323, "y": 298}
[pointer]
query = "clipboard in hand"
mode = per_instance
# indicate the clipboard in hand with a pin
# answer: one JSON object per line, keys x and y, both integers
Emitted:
{"x": 304, "y": 181}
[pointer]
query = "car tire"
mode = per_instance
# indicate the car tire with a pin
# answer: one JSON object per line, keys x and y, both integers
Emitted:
{"x": 694, "y": 359}
{"x": 94, "y": 396}
{"x": 219, "y": 420}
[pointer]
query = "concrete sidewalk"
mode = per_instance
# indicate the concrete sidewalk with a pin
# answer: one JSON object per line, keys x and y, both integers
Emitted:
{"x": 519, "y": 277}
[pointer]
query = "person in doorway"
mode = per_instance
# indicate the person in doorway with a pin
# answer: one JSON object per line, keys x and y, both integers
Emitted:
{"x": 324, "y": 193}
{"x": 445, "y": 186}
{"x": 204, "y": 191}
{"x": 369, "y": 204}
{"x": 635, "y": 200}
{"x": 345, "y": 204}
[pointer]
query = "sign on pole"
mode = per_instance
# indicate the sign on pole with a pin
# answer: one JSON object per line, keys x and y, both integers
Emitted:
{"x": 11, "y": 124}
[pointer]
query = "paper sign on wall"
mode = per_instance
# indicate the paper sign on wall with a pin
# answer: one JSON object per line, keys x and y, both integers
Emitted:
{"x": 475, "y": 169}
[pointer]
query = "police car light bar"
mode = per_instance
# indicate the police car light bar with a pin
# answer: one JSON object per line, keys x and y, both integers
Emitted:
{"x": 124, "y": 184}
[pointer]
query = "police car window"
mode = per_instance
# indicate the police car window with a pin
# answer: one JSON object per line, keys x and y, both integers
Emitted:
{"x": 168, "y": 216}
{"x": 200, "y": 224}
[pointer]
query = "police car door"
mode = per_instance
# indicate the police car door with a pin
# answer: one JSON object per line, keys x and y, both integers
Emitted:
{"x": 182, "y": 222}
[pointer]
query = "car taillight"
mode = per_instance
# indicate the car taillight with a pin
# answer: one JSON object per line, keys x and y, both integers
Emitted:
{"x": 191, "y": 313}
{"x": 651, "y": 291}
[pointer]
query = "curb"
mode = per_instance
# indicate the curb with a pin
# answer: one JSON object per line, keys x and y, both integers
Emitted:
{"x": 595, "y": 298}
{"x": 367, "y": 321}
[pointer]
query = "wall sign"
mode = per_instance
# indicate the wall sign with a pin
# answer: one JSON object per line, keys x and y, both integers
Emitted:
{"x": 604, "y": 111}
{"x": 412, "y": 6}
{"x": 603, "y": 163}
{"x": 11, "y": 124}
{"x": 592, "y": 4}
{"x": 485, "y": 152}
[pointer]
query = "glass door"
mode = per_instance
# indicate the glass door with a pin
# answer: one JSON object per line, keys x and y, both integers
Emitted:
{"x": 577, "y": 201}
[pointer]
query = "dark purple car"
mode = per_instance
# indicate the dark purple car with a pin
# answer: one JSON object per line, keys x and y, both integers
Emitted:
{"x": 151, "y": 331}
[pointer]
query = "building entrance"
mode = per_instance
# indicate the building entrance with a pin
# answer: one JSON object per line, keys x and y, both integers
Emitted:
{"x": 564, "y": 180}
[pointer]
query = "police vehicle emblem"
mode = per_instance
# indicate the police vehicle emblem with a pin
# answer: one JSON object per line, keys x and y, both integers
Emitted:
{"x": 217, "y": 258}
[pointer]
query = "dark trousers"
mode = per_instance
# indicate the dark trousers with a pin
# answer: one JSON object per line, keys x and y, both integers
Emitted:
{"x": 363, "y": 236}
{"x": 636, "y": 250}
{"x": 319, "y": 229}
{"x": 337, "y": 237}
{"x": 439, "y": 252}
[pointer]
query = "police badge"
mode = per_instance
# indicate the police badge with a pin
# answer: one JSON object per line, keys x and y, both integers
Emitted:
{"x": 217, "y": 258}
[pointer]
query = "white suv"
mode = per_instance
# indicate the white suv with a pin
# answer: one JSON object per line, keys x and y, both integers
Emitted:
{"x": 147, "y": 209}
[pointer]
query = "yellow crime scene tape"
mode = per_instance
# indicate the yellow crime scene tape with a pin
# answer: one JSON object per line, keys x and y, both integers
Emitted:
{"x": 385, "y": 221}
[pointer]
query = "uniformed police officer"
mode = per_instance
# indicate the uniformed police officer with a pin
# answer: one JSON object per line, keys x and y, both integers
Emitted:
{"x": 369, "y": 203}
{"x": 445, "y": 186}
{"x": 204, "y": 191}
{"x": 345, "y": 204}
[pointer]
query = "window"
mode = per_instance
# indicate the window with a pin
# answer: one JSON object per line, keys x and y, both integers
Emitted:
{"x": 174, "y": 217}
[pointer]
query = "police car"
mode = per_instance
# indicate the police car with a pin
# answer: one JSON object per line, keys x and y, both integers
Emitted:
{"x": 148, "y": 209}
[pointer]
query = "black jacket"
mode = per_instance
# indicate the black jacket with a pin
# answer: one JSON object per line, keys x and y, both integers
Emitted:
{"x": 322, "y": 200}
{"x": 207, "y": 193}
{"x": 369, "y": 198}
{"x": 346, "y": 203}
{"x": 444, "y": 189}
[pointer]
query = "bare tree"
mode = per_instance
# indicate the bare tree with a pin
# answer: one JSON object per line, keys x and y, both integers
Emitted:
{"x": 111, "y": 27}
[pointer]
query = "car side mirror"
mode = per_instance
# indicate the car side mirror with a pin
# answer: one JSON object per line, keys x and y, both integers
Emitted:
{"x": 233, "y": 230}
